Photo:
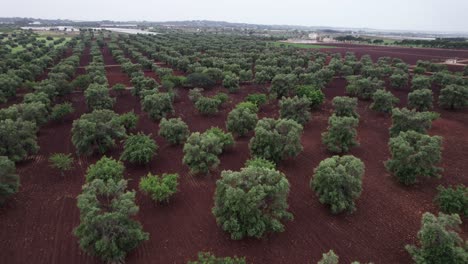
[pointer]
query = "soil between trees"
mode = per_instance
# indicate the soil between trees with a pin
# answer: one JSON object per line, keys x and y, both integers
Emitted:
{"x": 37, "y": 223}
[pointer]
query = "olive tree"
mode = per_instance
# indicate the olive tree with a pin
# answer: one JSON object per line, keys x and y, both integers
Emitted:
{"x": 295, "y": 108}
{"x": 283, "y": 85}
{"x": 341, "y": 133}
{"x": 208, "y": 105}
{"x": 398, "y": 80}
{"x": 363, "y": 88}
{"x": 383, "y": 101}
{"x": 313, "y": 94}
{"x": 231, "y": 82}
{"x": 129, "y": 120}
{"x": 276, "y": 140}
{"x": 454, "y": 97}
{"x": 60, "y": 111}
{"x": 251, "y": 202}
{"x": 414, "y": 155}
{"x": 96, "y": 131}
{"x": 337, "y": 182}
{"x": 159, "y": 187}
{"x": 97, "y": 97}
{"x": 107, "y": 229}
{"x": 174, "y": 130}
{"x": 420, "y": 99}
{"x": 404, "y": 120}
{"x": 201, "y": 152}
{"x": 139, "y": 149}
{"x": 9, "y": 180}
{"x": 453, "y": 200}
{"x": 105, "y": 169}
{"x": 18, "y": 139}
{"x": 438, "y": 241}
{"x": 158, "y": 105}
{"x": 241, "y": 120}
{"x": 345, "y": 106}
{"x": 420, "y": 82}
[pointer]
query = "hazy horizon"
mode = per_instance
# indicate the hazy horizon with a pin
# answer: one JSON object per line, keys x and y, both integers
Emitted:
{"x": 417, "y": 15}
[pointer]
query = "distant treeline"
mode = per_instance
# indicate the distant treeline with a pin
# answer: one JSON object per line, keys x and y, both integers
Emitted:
{"x": 444, "y": 43}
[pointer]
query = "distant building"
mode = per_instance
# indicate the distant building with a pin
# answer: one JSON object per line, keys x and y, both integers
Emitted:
{"x": 313, "y": 36}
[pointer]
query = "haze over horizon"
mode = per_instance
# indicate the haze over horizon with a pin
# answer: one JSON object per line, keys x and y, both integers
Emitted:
{"x": 417, "y": 15}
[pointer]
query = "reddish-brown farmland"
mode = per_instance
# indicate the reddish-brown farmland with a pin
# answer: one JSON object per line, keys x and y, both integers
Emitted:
{"x": 37, "y": 223}
{"x": 409, "y": 55}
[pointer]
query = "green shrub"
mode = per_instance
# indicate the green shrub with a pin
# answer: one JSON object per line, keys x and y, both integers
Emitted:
{"x": 61, "y": 161}
{"x": 420, "y": 99}
{"x": 129, "y": 120}
{"x": 201, "y": 152}
{"x": 222, "y": 97}
{"x": 276, "y": 140}
{"x": 207, "y": 105}
{"x": 453, "y": 200}
{"x": 315, "y": 95}
{"x": 38, "y": 97}
{"x": 97, "y": 97}
{"x": 257, "y": 98}
{"x": 33, "y": 112}
{"x": 454, "y": 97}
{"x": 119, "y": 88}
{"x": 245, "y": 75}
{"x": 345, "y": 106}
{"x": 419, "y": 70}
{"x": 404, "y": 120}
{"x": 139, "y": 149}
{"x": 241, "y": 120}
{"x": 341, "y": 133}
{"x": 231, "y": 82}
{"x": 283, "y": 85}
{"x": 420, "y": 82}
{"x": 260, "y": 163}
{"x": 439, "y": 242}
{"x": 18, "y": 139}
{"x": 59, "y": 111}
{"x": 215, "y": 74}
{"x": 251, "y": 202}
{"x": 414, "y": 155}
{"x": 208, "y": 258}
{"x": 81, "y": 82}
{"x": 363, "y": 88}
{"x": 200, "y": 80}
{"x": 383, "y": 101}
{"x": 107, "y": 229}
{"x": 9, "y": 180}
{"x": 159, "y": 187}
{"x": 337, "y": 182}
{"x": 329, "y": 258}
{"x": 247, "y": 105}
{"x": 158, "y": 105}
{"x": 226, "y": 139}
{"x": 105, "y": 169}
{"x": 195, "y": 94}
{"x": 295, "y": 108}
{"x": 97, "y": 130}
{"x": 398, "y": 80}
{"x": 174, "y": 130}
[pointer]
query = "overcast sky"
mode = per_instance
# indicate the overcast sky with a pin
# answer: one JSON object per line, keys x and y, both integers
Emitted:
{"x": 433, "y": 15}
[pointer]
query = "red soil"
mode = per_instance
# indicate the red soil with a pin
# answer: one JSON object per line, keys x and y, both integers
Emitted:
{"x": 409, "y": 55}
{"x": 37, "y": 222}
